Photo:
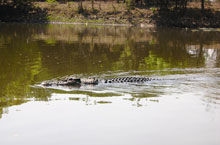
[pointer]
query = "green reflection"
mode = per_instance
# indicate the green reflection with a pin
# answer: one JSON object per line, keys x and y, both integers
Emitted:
{"x": 32, "y": 53}
{"x": 7, "y": 102}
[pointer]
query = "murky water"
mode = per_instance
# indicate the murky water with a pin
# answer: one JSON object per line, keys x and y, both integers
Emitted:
{"x": 182, "y": 107}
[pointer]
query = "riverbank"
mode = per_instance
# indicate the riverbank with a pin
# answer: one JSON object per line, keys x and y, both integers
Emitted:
{"x": 113, "y": 13}
{"x": 107, "y": 13}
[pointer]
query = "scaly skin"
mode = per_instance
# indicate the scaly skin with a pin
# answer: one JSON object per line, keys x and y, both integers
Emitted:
{"x": 71, "y": 81}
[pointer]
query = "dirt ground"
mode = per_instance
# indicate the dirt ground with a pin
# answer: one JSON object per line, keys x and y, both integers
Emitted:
{"x": 117, "y": 13}
{"x": 112, "y": 12}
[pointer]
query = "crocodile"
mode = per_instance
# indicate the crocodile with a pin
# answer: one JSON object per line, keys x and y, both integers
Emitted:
{"x": 74, "y": 81}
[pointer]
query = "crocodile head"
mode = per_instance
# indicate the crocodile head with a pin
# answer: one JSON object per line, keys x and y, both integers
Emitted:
{"x": 70, "y": 81}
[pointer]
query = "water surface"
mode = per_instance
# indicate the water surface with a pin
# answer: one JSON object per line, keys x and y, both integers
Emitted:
{"x": 181, "y": 107}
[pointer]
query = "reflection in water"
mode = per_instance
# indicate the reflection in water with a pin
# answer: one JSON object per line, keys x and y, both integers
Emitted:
{"x": 186, "y": 62}
{"x": 33, "y": 53}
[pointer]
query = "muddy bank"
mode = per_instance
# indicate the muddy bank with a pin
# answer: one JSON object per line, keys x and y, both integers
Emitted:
{"x": 112, "y": 13}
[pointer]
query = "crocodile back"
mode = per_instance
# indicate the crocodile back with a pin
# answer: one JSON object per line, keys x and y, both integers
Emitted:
{"x": 128, "y": 80}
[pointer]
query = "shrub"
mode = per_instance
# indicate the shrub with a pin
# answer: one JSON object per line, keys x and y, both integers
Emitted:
{"x": 51, "y": 1}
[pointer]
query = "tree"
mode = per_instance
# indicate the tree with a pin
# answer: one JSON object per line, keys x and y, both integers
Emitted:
{"x": 202, "y": 5}
{"x": 80, "y": 6}
{"x": 92, "y": 2}
{"x": 130, "y": 4}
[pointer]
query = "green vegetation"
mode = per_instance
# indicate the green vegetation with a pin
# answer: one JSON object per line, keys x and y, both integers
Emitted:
{"x": 130, "y": 4}
{"x": 51, "y": 1}
{"x": 21, "y": 11}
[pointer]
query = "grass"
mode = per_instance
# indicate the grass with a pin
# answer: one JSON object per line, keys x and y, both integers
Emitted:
{"x": 72, "y": 20}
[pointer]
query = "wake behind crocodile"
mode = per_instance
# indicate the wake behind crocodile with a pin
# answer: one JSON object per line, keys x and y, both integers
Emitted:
{"x": 138, "y": 84}
{"x": 176, "y": 81}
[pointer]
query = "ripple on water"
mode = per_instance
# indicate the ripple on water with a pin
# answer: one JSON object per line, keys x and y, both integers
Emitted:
{"x": 201, "y": 82}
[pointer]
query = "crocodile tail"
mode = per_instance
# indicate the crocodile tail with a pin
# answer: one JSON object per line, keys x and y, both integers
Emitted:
{"x": 128, "y": 80}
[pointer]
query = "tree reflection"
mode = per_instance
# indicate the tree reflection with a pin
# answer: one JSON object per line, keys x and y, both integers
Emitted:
{"x": 30, "y": 54}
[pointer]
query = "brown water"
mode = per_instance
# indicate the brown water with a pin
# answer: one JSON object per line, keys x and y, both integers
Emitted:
{"x": 181, "y": 108}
